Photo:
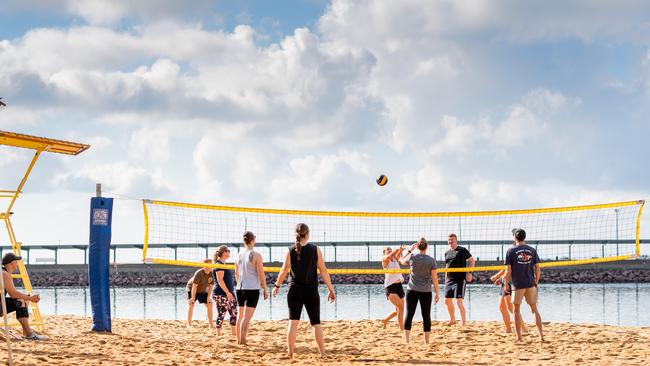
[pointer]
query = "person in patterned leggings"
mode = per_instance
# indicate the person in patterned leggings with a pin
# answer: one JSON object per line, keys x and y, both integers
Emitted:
{"x": 224, "y": 290}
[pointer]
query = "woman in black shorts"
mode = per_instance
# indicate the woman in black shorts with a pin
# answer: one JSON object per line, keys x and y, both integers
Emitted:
{"x": 393, "y": 285}
{"x": 302, "y": 262}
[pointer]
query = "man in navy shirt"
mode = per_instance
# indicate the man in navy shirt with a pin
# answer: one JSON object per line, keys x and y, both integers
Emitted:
{"x": 456, "y": 257}
{"x": 523, "y": 271}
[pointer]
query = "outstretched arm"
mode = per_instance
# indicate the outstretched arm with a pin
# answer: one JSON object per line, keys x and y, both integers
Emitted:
{"x": 398, "y": 253}
{"x": 497, "y": 276}
{"x": 405, "y": 259}
{"x": 11, "y": 289}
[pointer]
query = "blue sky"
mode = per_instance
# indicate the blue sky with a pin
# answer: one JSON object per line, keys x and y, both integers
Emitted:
{"x": 301, "y": 104}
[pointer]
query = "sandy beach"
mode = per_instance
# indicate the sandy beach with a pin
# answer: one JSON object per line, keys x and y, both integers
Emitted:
{"x": 158, "y": 342}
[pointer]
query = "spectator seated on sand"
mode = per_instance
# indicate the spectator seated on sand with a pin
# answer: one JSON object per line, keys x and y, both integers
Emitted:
{"x": 18, "y": 301}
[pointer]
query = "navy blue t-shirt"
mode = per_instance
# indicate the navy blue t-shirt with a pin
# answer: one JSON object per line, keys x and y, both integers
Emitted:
{"x": 522, "y": 260}
{"x": 228, "y": 279}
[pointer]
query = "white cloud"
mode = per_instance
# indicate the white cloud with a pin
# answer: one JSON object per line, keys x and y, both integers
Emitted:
{"x": 525, "y": 121}
{"x": 119, "y": 177}
{"x": 333, "y": 179}
{"x": 431, "y": 184}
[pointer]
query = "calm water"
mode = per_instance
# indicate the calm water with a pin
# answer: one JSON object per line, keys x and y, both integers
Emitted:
{"x": 615, "y": 304}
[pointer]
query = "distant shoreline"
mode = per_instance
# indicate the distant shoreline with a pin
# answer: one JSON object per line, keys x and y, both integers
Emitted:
{"x": 143, "y": 275}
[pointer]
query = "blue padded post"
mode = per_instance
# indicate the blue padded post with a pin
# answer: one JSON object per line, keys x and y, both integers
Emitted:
{"x": 99, "y": 246}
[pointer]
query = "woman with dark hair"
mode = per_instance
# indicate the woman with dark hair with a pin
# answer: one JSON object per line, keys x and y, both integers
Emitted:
{"x": 223, "y": 293}
{"x": 249, "y": 273}
{"x": 302, "y": 262}
{"x": 423, "y": 275}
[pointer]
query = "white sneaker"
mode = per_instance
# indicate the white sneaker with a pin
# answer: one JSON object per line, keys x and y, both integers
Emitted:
{"x": 36, "y": 337}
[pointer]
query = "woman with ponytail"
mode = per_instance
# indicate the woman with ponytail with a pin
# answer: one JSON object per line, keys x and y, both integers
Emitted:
{"x": 302, "y": 263}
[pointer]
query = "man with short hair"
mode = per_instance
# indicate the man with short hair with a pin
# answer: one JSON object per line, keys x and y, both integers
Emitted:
{"x": 18, "y": 301}
{"x": 456, "y": 257}
{"x": 523, "y": 271}
{"x": 198, "y": 288}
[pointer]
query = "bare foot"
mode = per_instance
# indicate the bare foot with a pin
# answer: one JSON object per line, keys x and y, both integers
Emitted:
{"x": 450, "y": 323}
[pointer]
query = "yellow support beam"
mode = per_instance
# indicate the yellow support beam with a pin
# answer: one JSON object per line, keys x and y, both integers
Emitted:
{"x": 41, "y": 143}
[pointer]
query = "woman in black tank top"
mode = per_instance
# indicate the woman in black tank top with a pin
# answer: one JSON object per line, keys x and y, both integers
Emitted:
{"x": 302, "y": 263}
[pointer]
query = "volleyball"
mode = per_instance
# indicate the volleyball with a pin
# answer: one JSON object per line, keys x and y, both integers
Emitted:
{"x": 382, "y": 180}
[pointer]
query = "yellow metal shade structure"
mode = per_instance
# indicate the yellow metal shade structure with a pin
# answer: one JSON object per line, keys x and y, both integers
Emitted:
{"x": 39, "y": 144}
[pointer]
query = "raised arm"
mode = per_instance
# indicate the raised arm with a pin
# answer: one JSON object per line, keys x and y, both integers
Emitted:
{"x": 405, "y": 259}
{"x": 260, "y": 273}
{"x": 286, "y": 267}
{"x": 331, "y": 296}
{"x": 398, "y": 253}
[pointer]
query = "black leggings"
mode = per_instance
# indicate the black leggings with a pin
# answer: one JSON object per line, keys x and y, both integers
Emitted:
{"x": 412, "y": 298}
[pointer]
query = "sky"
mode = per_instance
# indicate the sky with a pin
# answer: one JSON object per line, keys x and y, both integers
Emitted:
{"x": 464, "y": 105}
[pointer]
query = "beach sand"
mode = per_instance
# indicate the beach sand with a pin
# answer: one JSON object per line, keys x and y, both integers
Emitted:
{"x": 164, "y": 342}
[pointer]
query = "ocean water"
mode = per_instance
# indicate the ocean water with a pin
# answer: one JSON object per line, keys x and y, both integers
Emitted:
{"x": 613, "y": 304}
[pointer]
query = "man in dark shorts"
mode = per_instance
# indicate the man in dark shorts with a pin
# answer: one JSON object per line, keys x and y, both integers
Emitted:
{"x": 523, "y": 271}
{"x": 198, "y": 288}
{"x": 17, "y": 301}
{"x": 456, "y": 257}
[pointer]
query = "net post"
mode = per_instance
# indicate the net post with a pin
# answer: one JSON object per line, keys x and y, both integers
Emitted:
{"x": 638, "y": 228}
{"x": 145, "y": 244}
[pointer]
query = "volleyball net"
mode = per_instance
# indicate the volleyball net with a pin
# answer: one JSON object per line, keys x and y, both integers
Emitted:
{"x": 352, "y": 242}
